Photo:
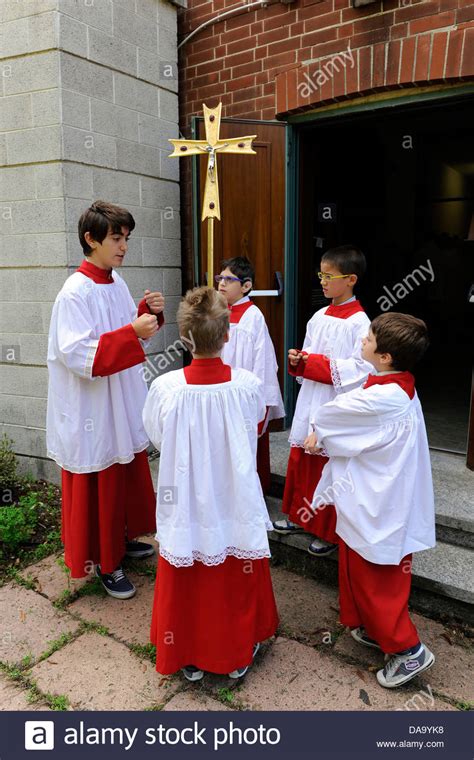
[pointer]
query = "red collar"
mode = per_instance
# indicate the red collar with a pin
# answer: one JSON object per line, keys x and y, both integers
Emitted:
{"x": 237, "y": 311}
{"x": 405, "y": 380}
{"x": 98, "y": 275}
{"x": 207, "y": 372}
{"x": 344, "y": 310}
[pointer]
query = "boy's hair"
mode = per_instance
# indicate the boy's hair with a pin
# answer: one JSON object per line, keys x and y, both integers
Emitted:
{"x": 347, "y": 258}
{"x": 203, "y": 320}
{"x": 402, "y": 336}
{"x": 101, "y": 217}
{"x": 241, "y": 266}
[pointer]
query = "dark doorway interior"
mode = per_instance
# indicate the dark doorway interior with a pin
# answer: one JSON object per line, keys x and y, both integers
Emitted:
{"x": 402, "y": 185}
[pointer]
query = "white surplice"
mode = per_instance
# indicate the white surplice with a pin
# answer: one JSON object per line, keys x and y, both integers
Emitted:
{"x": 92, "y": 422}
{"x": 379, "y": 472}
{"x": 250, "y": 347}
{"x": 210, "y": 503}
{"x": 340, "y": 340}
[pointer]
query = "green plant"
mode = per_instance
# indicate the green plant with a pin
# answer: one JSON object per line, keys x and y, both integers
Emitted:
{"x": 57, "y": 702}
{"x": 226, "y": 695}
{"x": 8, "y": 468}
{"x": 18, "y": 521}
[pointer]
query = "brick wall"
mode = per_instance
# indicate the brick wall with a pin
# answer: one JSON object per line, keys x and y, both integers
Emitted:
{"x": 86, "y": 113}
{"x": 258, "y": 62}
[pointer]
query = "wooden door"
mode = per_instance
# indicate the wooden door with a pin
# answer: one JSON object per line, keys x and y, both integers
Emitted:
{"x": 252, "y": 195}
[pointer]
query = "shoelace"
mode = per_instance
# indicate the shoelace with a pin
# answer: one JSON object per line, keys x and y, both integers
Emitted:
{"x": 118, "y": 575}
{"x": 392, "y": 665}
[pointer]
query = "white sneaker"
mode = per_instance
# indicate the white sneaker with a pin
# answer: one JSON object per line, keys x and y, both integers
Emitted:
{"x": 240, "y": 672}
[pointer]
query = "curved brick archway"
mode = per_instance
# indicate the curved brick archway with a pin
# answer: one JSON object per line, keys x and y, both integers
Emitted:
{"x": 433, "y": 58}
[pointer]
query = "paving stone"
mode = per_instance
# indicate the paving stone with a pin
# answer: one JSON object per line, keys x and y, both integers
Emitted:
{"x": 292, "y": 676}
{"x": 195, "y": 701}
{"x": 29, "y": 623}
{"x": 51, "y": 577}
{"x": 308, "y": 610}
{"x": 128, "y": 619}
{"x": 448, "y": 676}
{"x": 97, "y": 673}
{"x": 12, "y": 697}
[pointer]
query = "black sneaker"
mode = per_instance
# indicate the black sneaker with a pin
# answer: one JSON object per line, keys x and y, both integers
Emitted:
{"x": 240, "y": 672}
{"x": 401, "y": 668}
{"x": 285, "y": 527}
{"x": 320, "y": 548}
{"x": 360, "y": 635}
{"x": 192, "y": 673}
{"x": 138, "y": 549}
{"x": 116, "y": 584}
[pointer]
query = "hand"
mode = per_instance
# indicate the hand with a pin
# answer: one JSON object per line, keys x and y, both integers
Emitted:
{"x": 310, "y": 444}
{"x": 145, "y": 326}
{"x": 155, "y": 301}
{"x": 294, "y": 357}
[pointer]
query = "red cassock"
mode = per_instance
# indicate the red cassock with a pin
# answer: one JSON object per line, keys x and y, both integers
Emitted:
{"x": 304, "y": 470}
{"x": 100, "y": 510}
{"x": 211, "y": 616}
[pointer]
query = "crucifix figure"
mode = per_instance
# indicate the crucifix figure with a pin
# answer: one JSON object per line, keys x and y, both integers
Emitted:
{"x": 212, "y": 145}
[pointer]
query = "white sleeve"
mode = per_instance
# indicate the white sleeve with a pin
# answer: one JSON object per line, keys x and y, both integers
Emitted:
{"x": 153, "y": 414}
{"x": 351, "y": 372}
{"x": 352, "y": 422}
{"x": 72, "y": 338}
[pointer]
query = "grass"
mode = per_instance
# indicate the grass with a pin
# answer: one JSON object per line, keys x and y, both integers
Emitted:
{"x": 226, "y": 695}
{"x": 145, "y": 651}
{"x": 59, "y": 643}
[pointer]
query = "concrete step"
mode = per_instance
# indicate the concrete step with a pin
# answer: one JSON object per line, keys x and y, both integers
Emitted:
{"x": 453, "y": 486}
{"x": 443, "y": 578}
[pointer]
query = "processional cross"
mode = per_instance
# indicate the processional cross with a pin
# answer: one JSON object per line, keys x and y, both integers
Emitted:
{"x": 212, "y": 145}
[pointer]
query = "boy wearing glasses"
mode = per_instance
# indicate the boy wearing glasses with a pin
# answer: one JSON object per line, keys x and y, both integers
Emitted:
{"x": 250, "y": 347}
{"x": 371, "y": 432}
{"x": 214, "y": 599}
{"x": 329, "y": 363}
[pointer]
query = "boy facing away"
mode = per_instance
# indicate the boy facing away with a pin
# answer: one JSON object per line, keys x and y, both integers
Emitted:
{"x": 250, "y": 347}
{"x": 379, "y": 471}
{"x": 95, "y": 400}
{"x": 214, "y": 599}
{"x": 329, "y": 364}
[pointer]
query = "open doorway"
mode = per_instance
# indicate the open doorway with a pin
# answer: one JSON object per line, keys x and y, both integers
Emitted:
{"x": 399, "y": 183}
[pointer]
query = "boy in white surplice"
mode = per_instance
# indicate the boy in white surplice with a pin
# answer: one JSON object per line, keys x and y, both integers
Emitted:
{"x": 379, "y": 476}
{"x": 214, "y": 600}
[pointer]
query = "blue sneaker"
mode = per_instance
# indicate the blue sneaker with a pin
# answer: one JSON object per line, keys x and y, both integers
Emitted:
{"x": 401, "y": 668}
{"x": 116, "y": 584}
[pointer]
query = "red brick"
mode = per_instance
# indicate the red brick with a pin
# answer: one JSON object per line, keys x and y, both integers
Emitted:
{"x": 467, "y": 65}
{"x": 282, "y": 59}
{"x": 341, "y": 4}
{"x": 438, "y": 56}
{"x": 247, "y": 94}
{"x": 208, "y": 68}
{"x": 256, "y": 28}
{"x": 268, "y": 88}
{"x": 239, "y": 83}
{"x": 315, "y": 38}
{"x": 225, "y": 75}
{"x": 398, "y": 30}
{"x": 281, "y": 33}
{"x": 268, "y": 114}
{"x": 311, "y": 12}
{"x": 244, "y": 57}
{"x": 261, "y": 52}
{"x": 205, "y": 93}
{"x": 303, "y": 54}
{"x": 254, "y": 67}
{"x": 352, "y": 74}
{"x": 453, "y": 63}
{"x": 465, "y": 14}
{"x": 423, "y": 49}
{"x": 266, "y": 102}
{"x": 417, "y": 11}
{"x": 198, "y": 45}
{"x": 446, "y": 5}
{"x": 280, "y": 82}
{"x": 365, "y": 69}
{"x": 297, "y": 29}
{"x": 378, "y": 78}
{"x": 432, "y": 22}
{"x": 243, "y": 19}
{"x": 339, "y": 83}
{"x": 408, "y": 59}
{"x": 380, "y": 21}
{"x": 353, "y": 14}
{"x": 238, "y": 47}
{"x": 261, "y": 77}
{"x": 393, "y": 63}
{"x": 371, "y": 38}
{"x": 326, "y": 90}
{"x": 206, "y": 79}
{"x": 240, "y": 109}
{"x": 291, "y": 90}
{"x": 327, "y": 48}
{"x": 282, "y": 47}
{"x": 203, "y": 57}
{"x": 237, "y": 34}
{"x": 322, "y": 22}
{"x": 220, "y": 51}
{"x": 275, "y": 23}
{"x": 345, "y": 30}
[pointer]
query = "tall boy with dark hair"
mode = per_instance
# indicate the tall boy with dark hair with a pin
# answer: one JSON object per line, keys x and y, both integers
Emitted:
{"x": 329, "y": 363}
{"x": 250, "y": 347}
{"x": 95, "y": 401}
{"x": 376, "y": 440}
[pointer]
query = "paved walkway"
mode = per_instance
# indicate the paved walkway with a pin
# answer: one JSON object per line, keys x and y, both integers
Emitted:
{"x": 69, "y": 646}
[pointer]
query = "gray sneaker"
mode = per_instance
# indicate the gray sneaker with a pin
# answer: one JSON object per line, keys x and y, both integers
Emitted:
{"x": 401, "y": 668}
{"x": 360, "y": 635}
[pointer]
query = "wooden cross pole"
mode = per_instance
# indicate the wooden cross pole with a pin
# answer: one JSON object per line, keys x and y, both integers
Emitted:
{"x": 212, "y": 145}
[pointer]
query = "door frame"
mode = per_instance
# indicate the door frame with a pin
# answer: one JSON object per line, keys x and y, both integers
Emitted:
{"x": 419, "y": 97}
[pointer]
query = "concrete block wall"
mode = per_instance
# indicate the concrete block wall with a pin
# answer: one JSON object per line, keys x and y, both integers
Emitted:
{"x": 87, "y": 106}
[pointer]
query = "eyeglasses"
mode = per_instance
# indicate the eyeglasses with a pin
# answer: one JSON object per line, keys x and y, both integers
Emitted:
{"x": 226, "y": 280}
{"x": 331, "y": 277}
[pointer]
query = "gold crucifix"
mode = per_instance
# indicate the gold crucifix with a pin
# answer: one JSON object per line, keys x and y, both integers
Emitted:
{"x": 211, "y": 145}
